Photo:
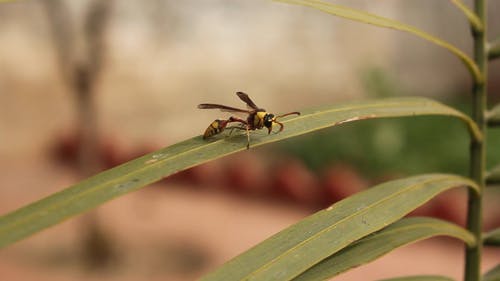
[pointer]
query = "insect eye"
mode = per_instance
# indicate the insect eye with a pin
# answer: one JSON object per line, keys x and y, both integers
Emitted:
{"x": 268, "y": 120}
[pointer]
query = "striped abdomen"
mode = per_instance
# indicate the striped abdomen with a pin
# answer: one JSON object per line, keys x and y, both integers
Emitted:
{"x": 214, "y": 128}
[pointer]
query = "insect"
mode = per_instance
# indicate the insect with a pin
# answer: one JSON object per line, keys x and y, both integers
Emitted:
{"x": 257, "y": 118}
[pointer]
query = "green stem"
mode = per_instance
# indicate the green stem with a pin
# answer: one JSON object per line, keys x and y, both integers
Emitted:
{"x": 474, "y": 20}
{"x": 477, "y": 150}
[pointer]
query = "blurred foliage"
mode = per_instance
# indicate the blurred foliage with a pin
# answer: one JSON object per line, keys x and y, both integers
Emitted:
{"x": 394, "y": 146}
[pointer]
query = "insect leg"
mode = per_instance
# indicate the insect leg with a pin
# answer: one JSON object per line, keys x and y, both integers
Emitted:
{"x": 242, "y": 127}
{"x": 247, "y": 127}
{"x": 248, "y": 137}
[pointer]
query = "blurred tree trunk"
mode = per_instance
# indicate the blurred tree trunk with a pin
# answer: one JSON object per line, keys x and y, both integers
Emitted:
{"x": 80, "y": 58}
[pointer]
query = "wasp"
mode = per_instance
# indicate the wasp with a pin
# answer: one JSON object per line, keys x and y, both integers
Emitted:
{"x": 257, "y": 118}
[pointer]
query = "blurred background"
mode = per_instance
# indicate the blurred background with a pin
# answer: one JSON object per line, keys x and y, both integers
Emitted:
{"x": 86, "y": 85}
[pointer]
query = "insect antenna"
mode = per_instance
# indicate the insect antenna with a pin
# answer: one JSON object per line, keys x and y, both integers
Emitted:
{"x": 290, "y": 113}
{"x": 283, "y": 115}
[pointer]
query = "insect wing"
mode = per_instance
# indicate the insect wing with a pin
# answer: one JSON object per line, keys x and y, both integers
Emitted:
{"x": 223, "y": 108}
{"x": 244, "y": 97}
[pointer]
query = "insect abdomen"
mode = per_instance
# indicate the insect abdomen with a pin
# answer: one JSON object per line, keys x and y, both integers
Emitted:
{"x": 214, "y": 128}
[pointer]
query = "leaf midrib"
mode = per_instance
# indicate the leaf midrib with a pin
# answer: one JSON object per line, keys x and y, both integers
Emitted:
{"x": 427, "y": 225}
{"x": 97, "y": 187}
{"x": 356, "y": 214}
{"x": 88, "y": 190}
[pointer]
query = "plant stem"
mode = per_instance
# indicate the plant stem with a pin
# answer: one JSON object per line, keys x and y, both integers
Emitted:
{"x": 477, "y": 150}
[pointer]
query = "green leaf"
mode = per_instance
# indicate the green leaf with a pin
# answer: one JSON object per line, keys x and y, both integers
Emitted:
{"x": 493, "y": 176}
{"x": 371, "y": 247}
{"x": 154, "y": 166}
{"x": 420, "y": 278}
{"x": 474, "y": 20}
{"x": 299, "y": 247}
{"x": 376, "y": 20}
{"x": 492, "y": 238}
{"x": 493, "y": 274}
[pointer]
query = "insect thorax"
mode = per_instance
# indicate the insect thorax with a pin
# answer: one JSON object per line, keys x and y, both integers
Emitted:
{"x": 257, "y": 119}
{"x": 260, "y": 119}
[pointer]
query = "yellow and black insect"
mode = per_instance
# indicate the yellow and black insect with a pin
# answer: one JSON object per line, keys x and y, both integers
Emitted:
{"x": 257, "y": 118}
